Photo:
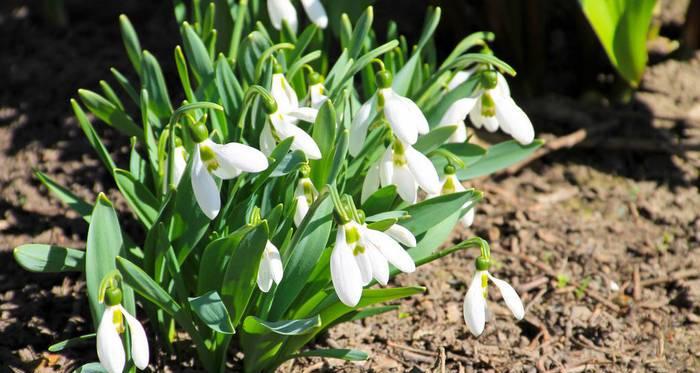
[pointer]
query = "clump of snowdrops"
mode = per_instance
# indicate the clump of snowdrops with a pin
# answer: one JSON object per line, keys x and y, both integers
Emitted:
{"x": 285, "y": 187}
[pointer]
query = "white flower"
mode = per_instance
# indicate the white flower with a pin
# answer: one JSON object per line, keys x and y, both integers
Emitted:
{"x": 305, "y": 194}
{"x": 110, "y": 350}
{"x": 451, "y": 184}
{"x": 361, "y": 254}
{"x": 282, "y": 123}
{"x": 283, "y": 10}
{"x": 491, "y": 108}
{"x": 179, "y": 163}
{"x": 403, "y": 115}
{"x": 270, "y": 269}
{"x": 475, "y": 301}
{"x": 225, "y": 162}
{"x": 317, "y": 93}
{"x": 408, "y": 169}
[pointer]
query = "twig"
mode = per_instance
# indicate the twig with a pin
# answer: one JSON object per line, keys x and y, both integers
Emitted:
{"x": 680, "y": 275}
{"x": 637, "y": 284}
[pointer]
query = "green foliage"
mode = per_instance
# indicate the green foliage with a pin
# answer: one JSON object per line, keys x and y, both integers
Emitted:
{"x": 622, "y": 27}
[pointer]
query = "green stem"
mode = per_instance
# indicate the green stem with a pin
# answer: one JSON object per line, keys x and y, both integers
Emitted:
{"x": 237, "y": 29}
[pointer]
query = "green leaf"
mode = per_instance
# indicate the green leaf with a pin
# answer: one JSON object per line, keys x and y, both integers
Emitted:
{"x": 142, "y": 202}
{"x": 91, "y": 368}
{"x": 434, "y": 138}
{"x": 212, "y": 311}
{"x": 429, "y": 213}
{"x": 404, "y": 78}
{"x": 239, "y": 281}
{"x": 131, "y": 42}
{"x": 228, "y": 87}
{"x": 380, "y": 201}
{"x": 304, "y": 251}
{"x": 289, "y": 163}
{"x": 66, "y": 196}
{"x": 49, "y": 258}
{"x": 215, "y": 258}
{"x": 630, "y": 41}
{"x": 359, "y": 34}
{"x": 109, "y": 113}
{"x": 252, "y": 47}
{"x": 324, "y": 134}
{"x": 255, "y": 325}
{"x": 68, "y": 343}
{"x": 343, "y": 354}
{"x": 92, "y": 137}
{"x": 466, "y": 152}
{"x": 498, "y": 157}
{"x": 154, "y": 82}
{"x": 197, "y": 54}
{"x": 143, "y": 284}
{"x": 104, "y": 244}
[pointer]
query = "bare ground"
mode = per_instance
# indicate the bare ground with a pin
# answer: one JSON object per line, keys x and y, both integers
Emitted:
{"x": 620, "y": 206}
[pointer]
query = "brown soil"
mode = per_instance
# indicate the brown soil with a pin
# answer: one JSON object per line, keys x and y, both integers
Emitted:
{"x": 620, "y": 206}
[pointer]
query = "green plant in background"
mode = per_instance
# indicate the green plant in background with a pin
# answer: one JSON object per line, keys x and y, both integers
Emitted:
{"x": 622, "y": 26}
{"x": 274, "y": 246}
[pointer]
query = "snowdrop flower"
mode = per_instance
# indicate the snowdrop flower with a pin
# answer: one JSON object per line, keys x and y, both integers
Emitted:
{"x": 305, "y": 194}
{"x": 403, "y": 115}
{"x": 110, "y": 350}
{"x": 360, "y": 254}
{"x": 223, "y": 161}
{"x": 407, "y": 168}
{"x": 179, "y": 163}
{"x": 475, "y": 301}
{"x": 451, "y": 184}
{"x": 270, "y": 269}
{"x": 283, "y": 10}
{"x": 317, "y": 91}
{"x": 491, "y": 107}
{"x": 282, "y": 123}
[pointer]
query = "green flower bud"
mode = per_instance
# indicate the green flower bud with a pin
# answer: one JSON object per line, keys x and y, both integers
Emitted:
{"x": 482, "y": 263}
{"x": 489, "y": 79}
{"x": 113, "y": 296}
{"x": 315, "y": 78}
{"x": 199, "y": 132}
{"x": 449, "y": 169}
{"x": 384, "y": 79}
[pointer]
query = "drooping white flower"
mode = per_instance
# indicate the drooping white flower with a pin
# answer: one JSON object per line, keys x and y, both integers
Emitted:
{"x": 270, "y": 269}
{"x": 491, "y": 107}
{"x": 179, "y": 166}
{"x": 401, "y": 235}
{"x": 225, "y": 162}
{"x": 110, "y": 350}
{"x": 283, "y": 10}
{"x": 408, "y": 169}
{"x": 475, "y": 301}
{"x": 317, "y": 94}
{"x": 305, "y": 194}
{"x": 282, "y": 123}
{"x": 360, "y": 254}
{"x": 403, "y": 115}
{"x": 451, "y": 184}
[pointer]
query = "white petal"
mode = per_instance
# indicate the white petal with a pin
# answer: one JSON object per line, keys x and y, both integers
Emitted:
{"x": 306, "y": 114}
{"x": 402, "y": 235}
{"x": 371, "y": 183}
{"x": 502, "y": 85}
{"x": 475, "y": 115}
{"x": 180, "y": 164}
{"x": 314, "y": 9}
{"x": 267, "y": 141}
{"x": 400, "y": 118}
{"x": 392, "y": 251}
{"x": 275, "y": 263}
{"x": 510, "y": 115}
{"x": 282, "y": 10}
{"x": 510, "y": 297}
{"x": 406, "y": 184}
{"x": 459, "y": 78}
{"x": 345, "y": 274}
{"x": 386, "y": 167}
{"x": 317, "y": 95}
{"x": 264, "y": 279}
{"x": 468, "y": 218}
{"x": 360, "y": 124}
{"x": 301, "y": 210}
{"x": 380, "y": 266}
{"x": 283, "y": 93}
{"x": 458, "y": 111}
{"x": 302, "y": 140}
{"x": 459, "y": 135}
{"x": 475, "y": 306}
{"x": 418, "y": 117}
{"x": 423, "y": 170}
{"x": 243, "y": 157}
{"x": 109, "y": 346}
{"x": 139, "y": 342}
{"x": 365, "y": 266}
{"x": 205, "y": 190}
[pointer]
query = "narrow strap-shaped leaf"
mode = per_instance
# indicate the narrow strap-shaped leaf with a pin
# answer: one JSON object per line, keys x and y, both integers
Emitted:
{"x": 125, "y": 84}
{"x": 498, "y": 157}
{"x": 210, "y": 309}
{"x": 197, "y": 54}
{"x": 131, "y": 42}
{"x": 362, "y": 28}
{"x": 91, "y": 368}
{"x": 109, "y": 113}
{"x": 92, "y": 137}
{"x": 49, "y": 258}
{"x": 66, "y": 196}
{"x": 154, "y": 82}
{"x": 255, "y": 325}
{"x": 72, "y": 342}
{"x": 142, "y": 202}
{"x": 343, "y": 354}
{"x": 428, "y": 213}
